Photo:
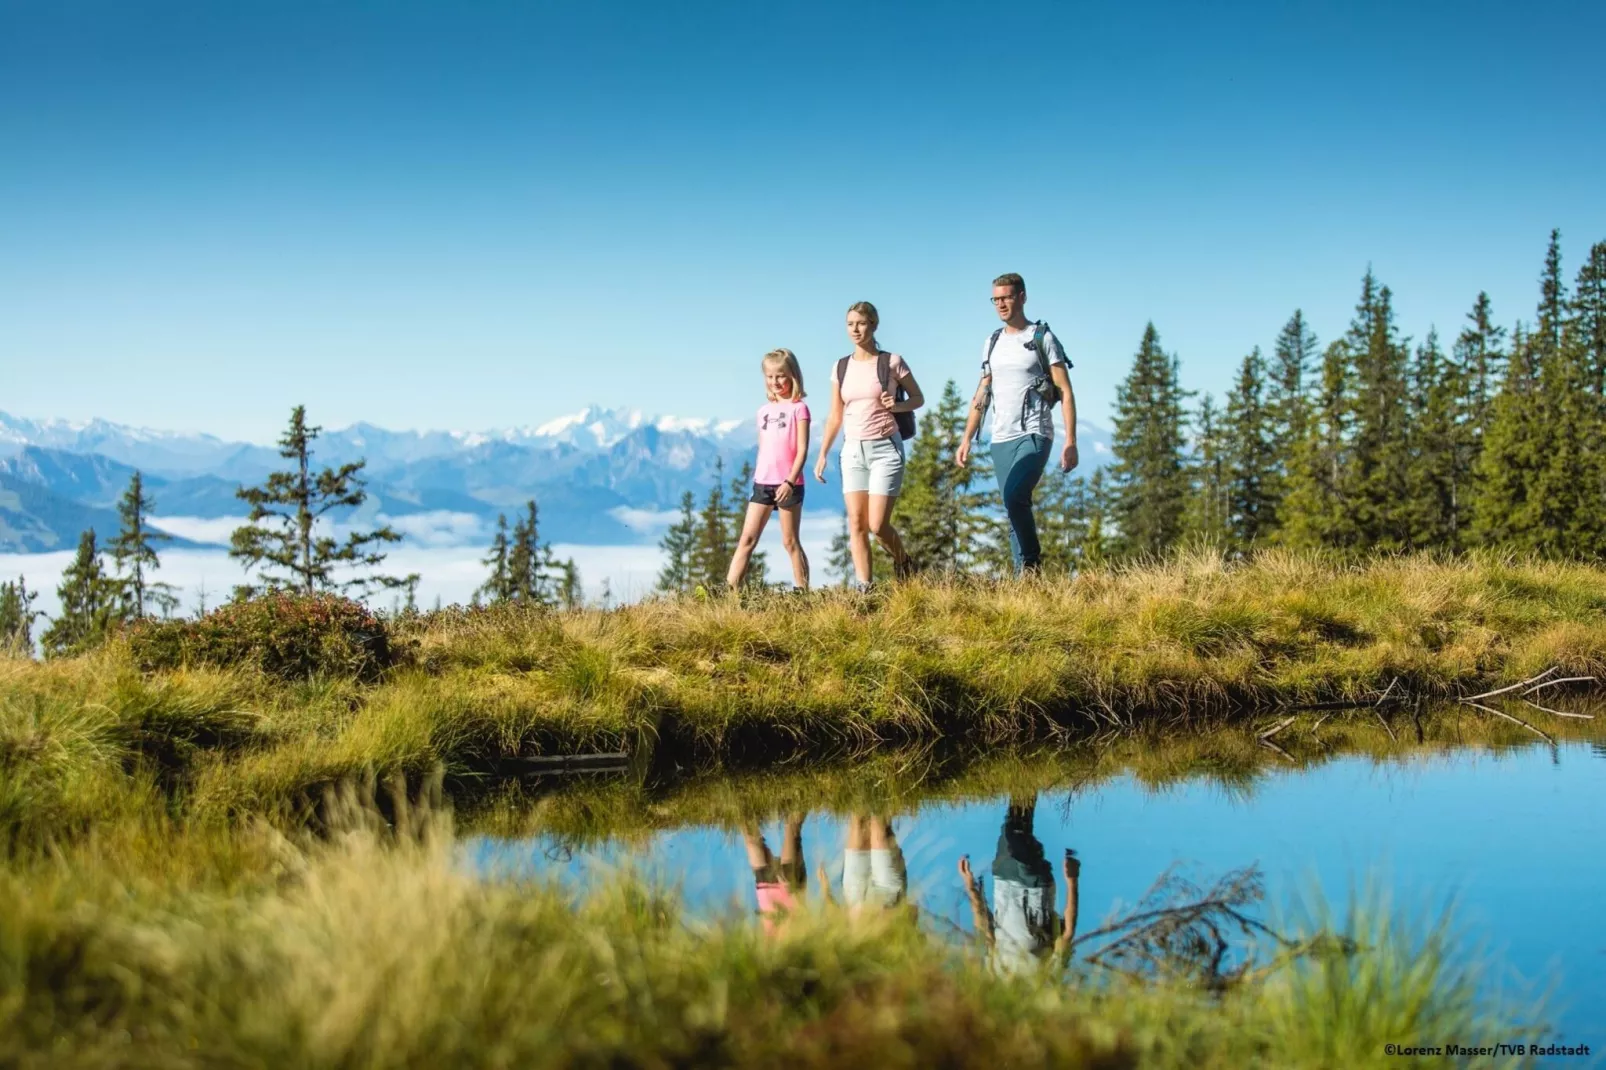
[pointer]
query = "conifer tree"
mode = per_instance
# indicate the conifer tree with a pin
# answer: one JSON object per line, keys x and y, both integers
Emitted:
{"x": 1437, "y": 488}
{"x": 16, "y": 618}
{"x": 711, "y": 554}
{"x": 1207, "y": 513}
{"x": 1096, "y": 543}
{"x": 529, "y": 561}
{"x": 134, "y": 551}
{"x": 89, "y": 603}
{"x": 1589, "y": 315}
{"x": 839, "y": 562}
{"x": 1504, "y": 514}
{"x": 1071, "y": 520}
{"x": 1313, "y": 510}
{"x": 571, "y": 594}
{"x": 1376, "y": 482}
{"x": 1479, "y": 354}
{"x": 498, "y": 587}
{"x": 931, "y": 510}
{"x": 281, "y": 531}
{"x": 1150, "y": 483}
{"x": 679, "y": 545}
{"x": 1288, "y": 410}
{"x": 758, "y": 564}
{"x": 1253, "y": 475}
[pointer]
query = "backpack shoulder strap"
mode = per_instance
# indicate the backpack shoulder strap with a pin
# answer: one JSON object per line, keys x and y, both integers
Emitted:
{"x": 1039, "y": 335}
{"x": 842, "y": 370}
{"x": 987, "y": 361}
{"x": 883, "y": 370}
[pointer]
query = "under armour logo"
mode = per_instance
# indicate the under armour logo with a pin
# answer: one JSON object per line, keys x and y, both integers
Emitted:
{"x": 778, "y": 417}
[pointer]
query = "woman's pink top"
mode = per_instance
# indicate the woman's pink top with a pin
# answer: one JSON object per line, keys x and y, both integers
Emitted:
{"x": 777, "y": 441}
{"x": 862, "y": 413}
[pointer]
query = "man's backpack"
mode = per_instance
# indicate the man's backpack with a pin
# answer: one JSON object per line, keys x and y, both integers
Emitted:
{"x": 883, "y": 373}
{"x": 1043, "y": 386}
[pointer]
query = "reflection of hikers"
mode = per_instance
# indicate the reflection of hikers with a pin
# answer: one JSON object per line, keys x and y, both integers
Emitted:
{"x": 865, "y": 405}
{"x": 1021, "y": 927}
{"x": 783, "y": 447}
{"x": 873, "y": 869}
{"x": 1024, "y": 373}
{"x": 777, "y": 885}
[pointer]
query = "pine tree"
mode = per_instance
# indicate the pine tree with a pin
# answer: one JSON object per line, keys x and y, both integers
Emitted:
{"x": 293, "y": 503}
{"x": 1504, "y": 514}
{"x": 1589, "y": 315}
{"x": 16, "y": 618}
{"x": 1375, "y": 484}
{"x": 498, "y": 588}
{"x": 570, "y": 592}
{"x": 1288, "y": 411}
{"x": 89, "y": 603}
{"x": 1313, "y": 509}
{"x": 679, "y": 545}
{"x": 758, "y": 564}
{"x": 931, "y": 510}
{"x": 1437, "y": 489}
{"x": 1071, "y": 521}
{"x": 134, "y": 551}
{"x": 839, "y": 563}
{"x": 530, "y": 567}
{"x": 1150, "y": 484}
{"x": 1478, "y": 352}
{"x": 1253, "y": 475}
{"x": 1207, "y": 510}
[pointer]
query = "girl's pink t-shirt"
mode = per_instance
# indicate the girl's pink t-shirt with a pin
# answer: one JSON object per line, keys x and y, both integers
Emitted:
{"x": 862, "y": 413}
{"x": 777, "y": 441}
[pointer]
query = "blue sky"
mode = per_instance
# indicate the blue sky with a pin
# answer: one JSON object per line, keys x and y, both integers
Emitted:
{"x": 477, "y": 215}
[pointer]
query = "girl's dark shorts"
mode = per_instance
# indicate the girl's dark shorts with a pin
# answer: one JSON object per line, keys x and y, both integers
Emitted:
{"x": 764, "y": 494}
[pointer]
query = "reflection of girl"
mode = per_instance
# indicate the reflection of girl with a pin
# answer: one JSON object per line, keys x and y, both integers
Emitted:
{"x": 1021, "y": 927}
{"x": 873, "y": 869}
{"x": 777, "y": 885}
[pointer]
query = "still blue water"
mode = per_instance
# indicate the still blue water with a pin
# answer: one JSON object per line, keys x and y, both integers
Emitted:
{"x": 1511, "y": 839}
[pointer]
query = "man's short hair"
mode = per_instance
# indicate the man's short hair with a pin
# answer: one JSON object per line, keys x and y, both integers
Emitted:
{"x": 1013, "y": 280}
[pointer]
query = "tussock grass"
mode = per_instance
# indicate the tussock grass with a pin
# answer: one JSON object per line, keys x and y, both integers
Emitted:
{"x": 1175, "y": 646}
{"x": 255, "y": 951}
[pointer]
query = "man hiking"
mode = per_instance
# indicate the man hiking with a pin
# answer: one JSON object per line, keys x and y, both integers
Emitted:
{"x": 1024, "y": 374}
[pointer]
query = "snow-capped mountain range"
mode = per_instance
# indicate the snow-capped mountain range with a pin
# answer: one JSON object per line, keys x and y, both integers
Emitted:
{"x": 595, "y": 473}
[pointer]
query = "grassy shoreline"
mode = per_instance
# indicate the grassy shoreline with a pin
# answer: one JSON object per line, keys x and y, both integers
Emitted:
{"x": 1176, "y": 648}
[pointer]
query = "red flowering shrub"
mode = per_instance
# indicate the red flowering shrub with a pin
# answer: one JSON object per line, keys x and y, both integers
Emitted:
{"x": 282, "y": 634}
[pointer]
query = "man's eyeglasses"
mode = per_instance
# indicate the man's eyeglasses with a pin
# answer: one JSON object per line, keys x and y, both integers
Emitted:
{"x": 1006, "y": 300}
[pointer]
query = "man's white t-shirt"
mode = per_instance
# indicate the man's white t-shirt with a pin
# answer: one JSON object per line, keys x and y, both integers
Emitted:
{"x": 1019, "y": 411}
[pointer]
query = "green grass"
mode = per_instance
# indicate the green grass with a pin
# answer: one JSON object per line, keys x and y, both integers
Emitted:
{"x": 1175, "y": 649}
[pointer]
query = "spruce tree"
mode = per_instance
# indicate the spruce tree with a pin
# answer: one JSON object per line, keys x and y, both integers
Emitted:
{"x": 931, "y": 510}
{"x": 1150, "y": 482}
{"x": 1288, "y": 411}
{"x": 292, "y": 504}
{"x": 570, "y": 592}
{"x": 1207, "y": 510}
{"x": 1589, "y": 315}
{"x": 1313, "y": 510}
{"x": 1479, "y": 354}
{"x": 529, "y": 565}
{"x": 1375, "y": 484}
{"x": 839, "y": 562}
{"x": 498, "y": 587}
{"x": 1437, "y": 489}
{"x": 1504, "y": 514}
{"x": 89, "y": 603}
{"x": 16, "y": 618}
{"x": 1253, "y": 475}
{"x": 679, "y": 545}
{"x": 134, "y": 551}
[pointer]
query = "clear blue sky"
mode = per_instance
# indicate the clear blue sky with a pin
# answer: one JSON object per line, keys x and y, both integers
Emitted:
{"x": 477, "y": 215}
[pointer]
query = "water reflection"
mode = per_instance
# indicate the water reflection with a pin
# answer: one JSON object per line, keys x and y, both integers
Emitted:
{"x": 778, "y": 883}
{"x": 1022, "y": 926}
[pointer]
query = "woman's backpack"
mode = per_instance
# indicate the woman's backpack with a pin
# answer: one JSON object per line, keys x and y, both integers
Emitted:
{"x": 883, "y": 373}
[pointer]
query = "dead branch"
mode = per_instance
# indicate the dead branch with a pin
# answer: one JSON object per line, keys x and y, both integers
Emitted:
{"x": 1560, "y": 713}
{"x": 1558, "y": 683}
{"x": 1278, "y": 727}
{"x": 1514, "y": 687}
{"x": 1512, "y": 718}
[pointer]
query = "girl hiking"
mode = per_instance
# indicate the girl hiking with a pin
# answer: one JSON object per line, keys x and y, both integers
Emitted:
{"x": 873, "y": 399}
{"x": 783, "y": 447}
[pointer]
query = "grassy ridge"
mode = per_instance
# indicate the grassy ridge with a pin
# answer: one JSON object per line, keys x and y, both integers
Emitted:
{"x": 156, "y": 947}
{"x": 1180, "y": 645}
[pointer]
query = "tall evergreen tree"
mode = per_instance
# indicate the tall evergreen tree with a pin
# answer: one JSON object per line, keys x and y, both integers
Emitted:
{"x": 1253, "y": 476}
{"x": 1071, "y": 520}
{"x": 1376, "y": 482}
{"x": 134, "y": 551}
{"x": 712, "y": 551}
{"x": 931, "y": 510}
{"x": 1150, "y": 482}
{"x": 679, "y": 545}
{"x": 1437, "y": 488}
{"x": 839, "y": 561}
{"x": 1478, "y": 352}
{"x": 281, "y": 531}
{"x": 1504, "y": 513}
{"x": 529, "y": 564}
{"x": 498, "y": 587}
{"x": 571, "y": 594}
{"x": 16, "y": 618}
{"x": 89, "y": 603}
{"x": 1208, "y": 506}
{"x": 1589, "y": 315}
{"x": 1313, "y": 511}
{"x": 1288, "y": 410}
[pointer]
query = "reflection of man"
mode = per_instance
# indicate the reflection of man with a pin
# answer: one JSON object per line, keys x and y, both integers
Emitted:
{"x": 777, "y": 884}
{"x": 1021, "y": 928}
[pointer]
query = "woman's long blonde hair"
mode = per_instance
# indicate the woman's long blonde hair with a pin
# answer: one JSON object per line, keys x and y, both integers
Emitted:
{"x": 784, "y": 358}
